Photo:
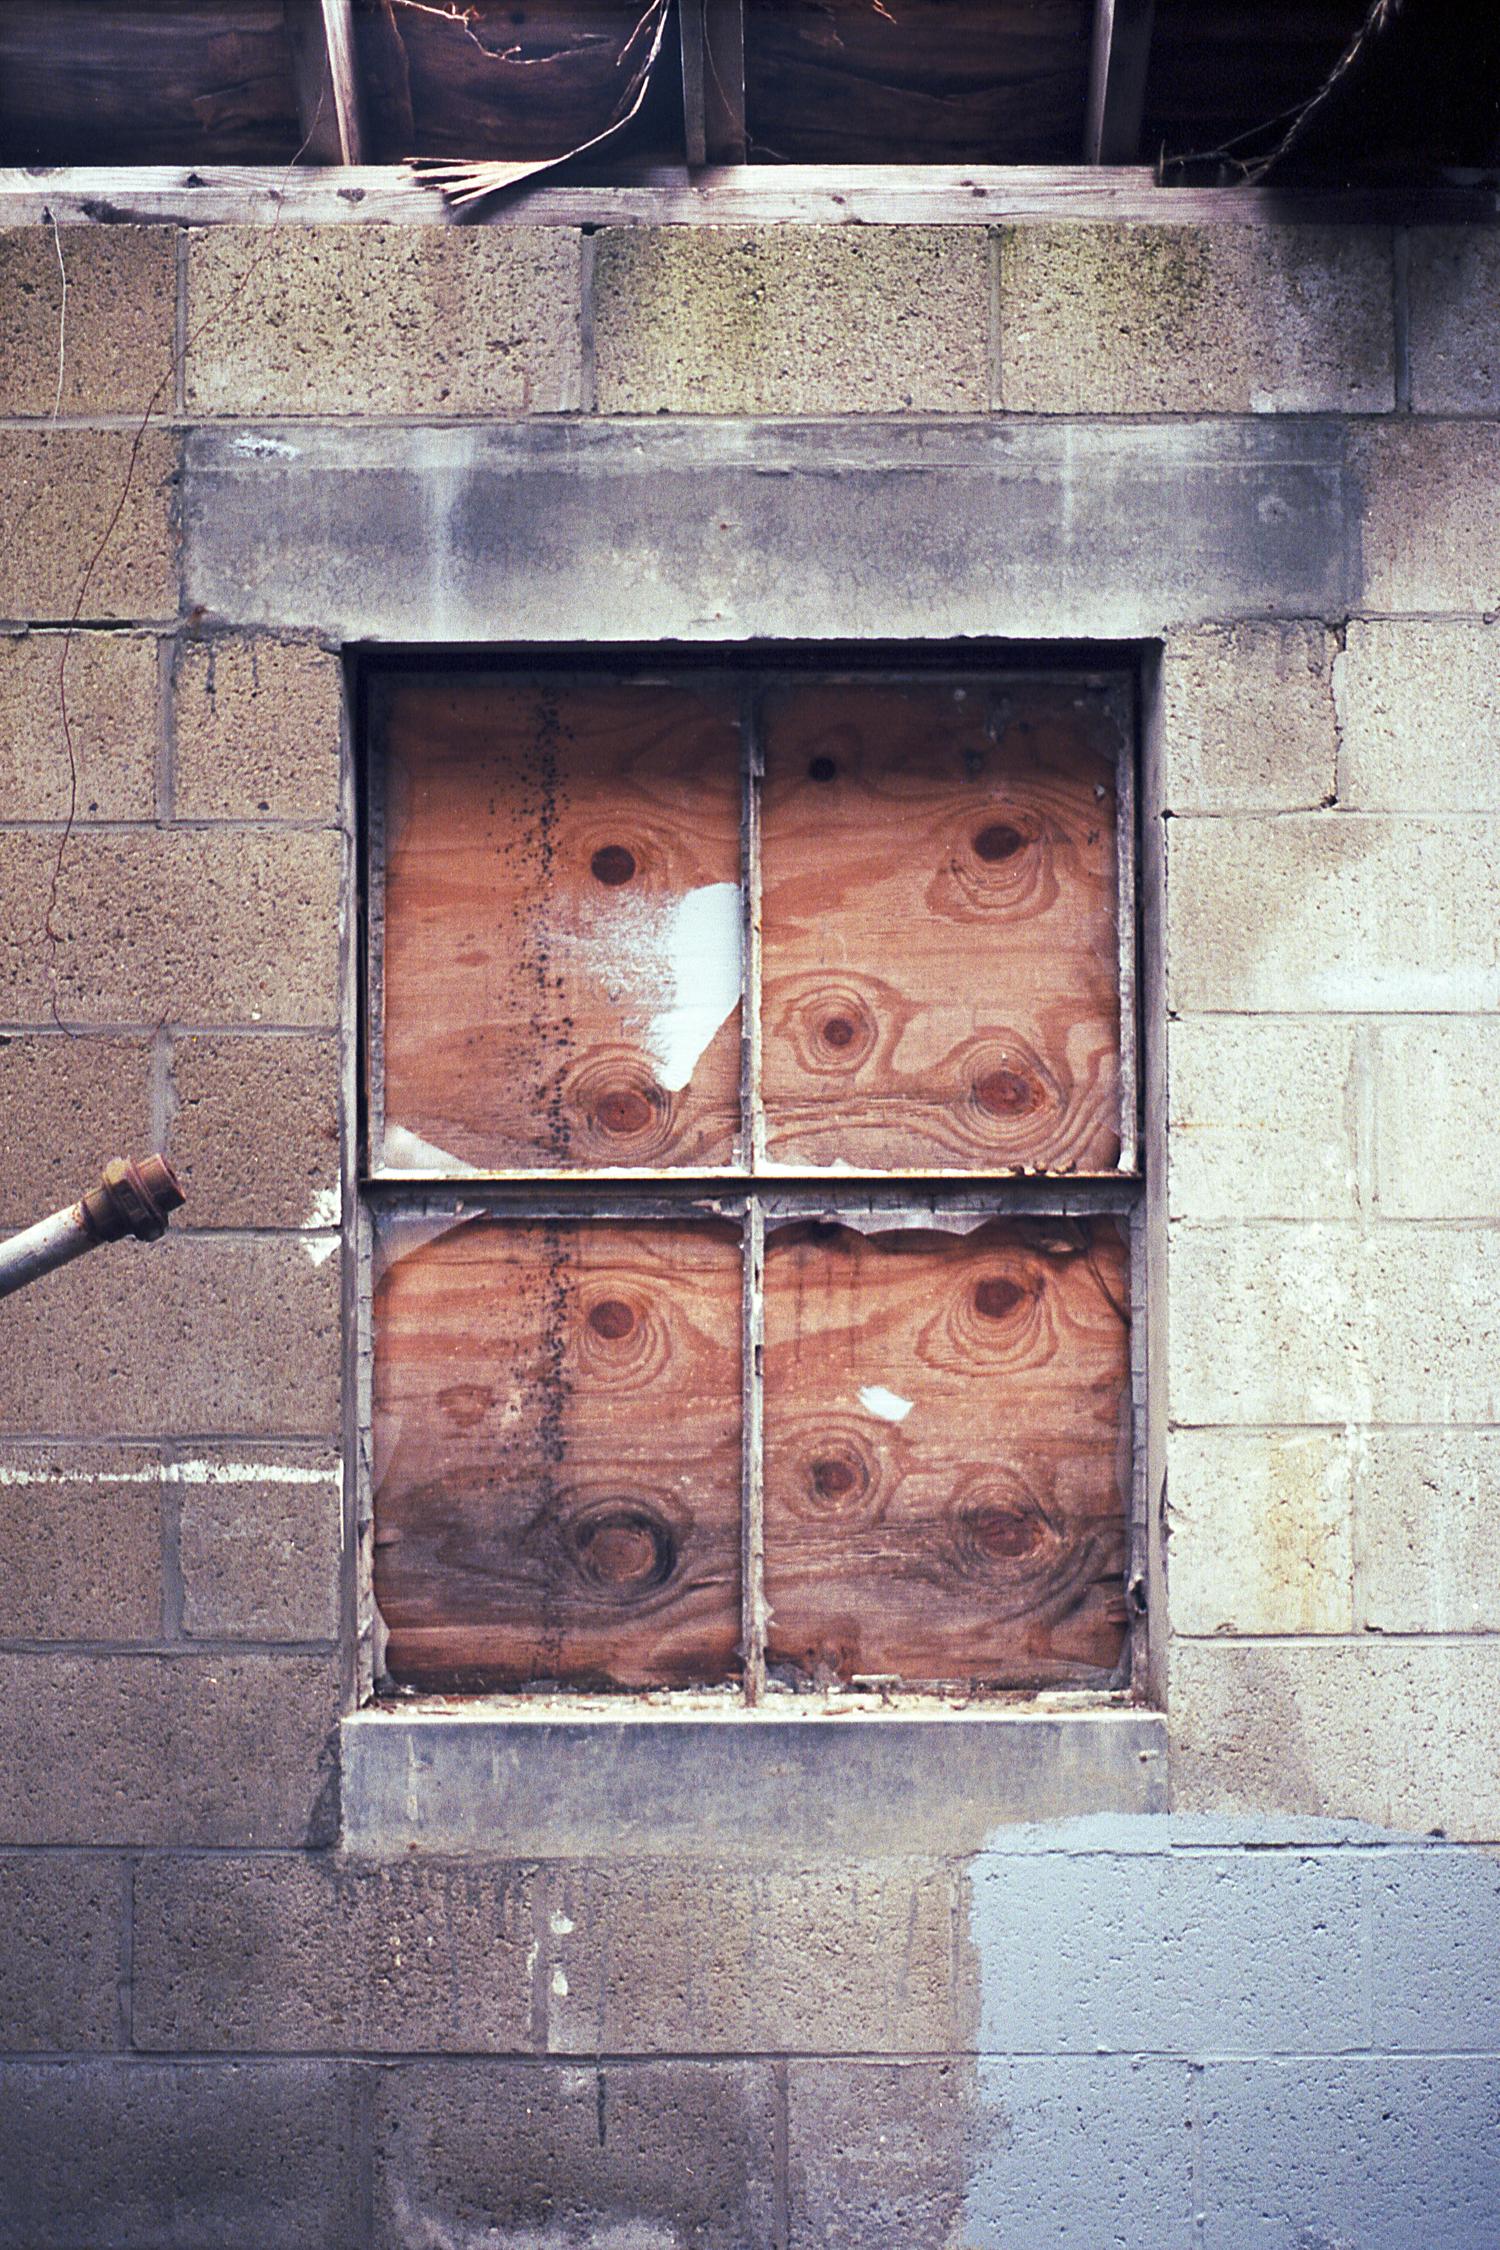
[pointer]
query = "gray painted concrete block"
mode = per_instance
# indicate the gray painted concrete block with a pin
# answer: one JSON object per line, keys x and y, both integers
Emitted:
{"x": 713, "y": 531}
{"x": 634, "y": 2156}
{"x": 1080, "y": 2154}
{"x": 131, "y": 2155}
{"x": 1435, "y": 1950}
{"x": 1373, "y": 2154}
{"x": 871, "y": 1785}
{"x": 1184, "y": 1953}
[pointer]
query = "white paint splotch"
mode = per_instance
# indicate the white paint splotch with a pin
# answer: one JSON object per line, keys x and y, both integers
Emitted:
{"x": 672, "y": 967}
{"x": 889, "y": 1406}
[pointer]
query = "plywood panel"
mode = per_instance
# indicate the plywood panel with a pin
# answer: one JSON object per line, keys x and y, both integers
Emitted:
{"x": 557, "y": 1454}
{"x": 946, "y": 1447}
{"x": 561, "y": 925}
{"x": 921, "y": 81}
{"x": 939, "y": 933}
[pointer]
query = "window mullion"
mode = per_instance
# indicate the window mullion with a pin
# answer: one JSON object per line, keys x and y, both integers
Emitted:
{"x": 752, "y": 1106}
{"x": 753, "y": 1493}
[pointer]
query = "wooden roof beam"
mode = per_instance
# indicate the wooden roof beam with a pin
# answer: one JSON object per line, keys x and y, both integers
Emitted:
{"x": 713, "y": 81}
{"x": 322, "y": 41}
{"x": 1117, "y": 80}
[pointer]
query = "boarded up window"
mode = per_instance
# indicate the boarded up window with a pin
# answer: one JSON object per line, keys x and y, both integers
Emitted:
{"x": 778, "y": 1030}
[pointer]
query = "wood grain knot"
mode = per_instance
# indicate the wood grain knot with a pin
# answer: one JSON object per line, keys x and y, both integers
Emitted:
{"x": 626, "y": 1116}
{"x": 1007, "y": 1093}
{"x": 822, "y": 769}
{"x": 998, "y": 841}
{"x": 828, "y": 1474}
{"x": 996, "y": 1297}
{"x": 1003, "y": 1533}
{"x": 622, "y": 1548}
{"x": 612, "y": 1319}
{"x": 612, "y": 864}
{"x": 838, "y": 1031}
{"x": 465, "y": 1404}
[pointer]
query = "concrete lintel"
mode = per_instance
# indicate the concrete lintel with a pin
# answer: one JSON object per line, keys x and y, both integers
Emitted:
{"x": 548, "y": 1785}
{"x": 704, "y": 531}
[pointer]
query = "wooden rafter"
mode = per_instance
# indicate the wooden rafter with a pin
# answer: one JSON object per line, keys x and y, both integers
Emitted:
{"x": 1117, "y": 80}
{"x": 713, "y": 81}
{"x": 322, "y": 36}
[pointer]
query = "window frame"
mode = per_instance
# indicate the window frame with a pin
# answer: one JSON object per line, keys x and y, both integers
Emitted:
{"x": 740, "y": 1192}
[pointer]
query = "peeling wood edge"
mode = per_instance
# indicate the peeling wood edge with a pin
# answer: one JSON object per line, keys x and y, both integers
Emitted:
{"x": 1117, "y": 80}
{"x": 387, "y": 195}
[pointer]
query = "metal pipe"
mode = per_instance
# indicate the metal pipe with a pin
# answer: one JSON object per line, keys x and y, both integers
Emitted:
{"x": 134, "y": 1199}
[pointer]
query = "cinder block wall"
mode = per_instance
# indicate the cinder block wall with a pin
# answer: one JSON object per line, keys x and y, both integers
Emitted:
{"x": 1272, "y": 2017}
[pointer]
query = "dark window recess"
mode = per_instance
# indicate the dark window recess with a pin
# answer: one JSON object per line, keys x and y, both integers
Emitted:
{"x": 750, "y": 1100}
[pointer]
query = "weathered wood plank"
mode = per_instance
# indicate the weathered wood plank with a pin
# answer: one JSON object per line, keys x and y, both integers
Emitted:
{"x": 496, "y": 78}
{"x": 724, "y": 80}
{"x": 557, "y": 1454}
{"x": 95, "y": 82}
{"x": 940, "y": 927}
{"x": 938, "y": 81}
{"x": 741, "y": 195}
{"x": 946, "y": 1448}
{"x": 561, "y": 924}
{"x": 1117, "y": 80}
{"x": 317, "y": 102}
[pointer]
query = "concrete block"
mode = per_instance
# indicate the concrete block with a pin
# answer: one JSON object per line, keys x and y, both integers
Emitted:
{"x": 254, "y": 1129}
{"x": 80, "y": 1530}
{"x": 182, "y": 1750}
{"x": 1437, "y": 1141}
{"x": 1248, "y": 721}
{"x": 291, "y": 1952}
{"x": 113, "y": 691}
{"x": 1397, "y": 1733}
{"x": 1419, "y": 716}
{"x": 1453, "y": 286}
{"x": 257, "y": 729}
{"x": 791, "y": 320}
{"x": 1312, "y": 912}
{"x": 1187, "y": 1953}
{"x": 1379, "y": 2152}
{"x": 69, "y": 1106}
{"x": 62, "y": 1928}
{"x": 1431, "y": 538}
{"x": 150, "y": 2156}
{"x": 1434, "y": 1964}
{"x": 1038, "y": 2150}
{"x": 117, "y": 344}
{"x": 1080, "y": 2153}
{"x": 259, "y": 1540}
{"x": 892, "y": 527}
{"x": 1261, "y": 1531}
{"x": 1282, "y": 1324}
{"x": 879, "y": 2153}
{"x": 192, "y": 1333}
{"x": 656, "y": 1955}
{"x": 627, "y": 2154}
{"x": 384, "y": 320}
{"x": 1195, "y": 320}
{"x": 190, "y": 926}
{"x": 1428, "y": 1555}
{"x": 1262, "y": 1120}
{"x": 59, "y": 490}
